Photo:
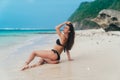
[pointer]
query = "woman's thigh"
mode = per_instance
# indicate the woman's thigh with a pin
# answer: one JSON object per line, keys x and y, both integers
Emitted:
{"x": 48, "y": 54}
{"x": 51, "y": 61}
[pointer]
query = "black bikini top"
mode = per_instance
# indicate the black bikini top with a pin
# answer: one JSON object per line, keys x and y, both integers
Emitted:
{"x": 58, "y": 43}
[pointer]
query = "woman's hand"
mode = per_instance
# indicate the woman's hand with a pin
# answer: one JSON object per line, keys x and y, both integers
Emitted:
{"x": 68, "y": 55}
{"x": 68, "y": 22}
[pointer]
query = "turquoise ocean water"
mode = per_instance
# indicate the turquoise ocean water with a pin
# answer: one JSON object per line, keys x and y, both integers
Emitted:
{"x": 17, "y": 44}
{"x": 16, "y": 36}
{"x": 13, "y": 40}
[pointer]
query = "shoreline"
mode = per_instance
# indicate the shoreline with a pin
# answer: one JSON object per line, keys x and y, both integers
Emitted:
{"x": 95, "y": 54}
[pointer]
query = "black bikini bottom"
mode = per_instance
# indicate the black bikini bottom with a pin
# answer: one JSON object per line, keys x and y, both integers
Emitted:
{"x": 56, "y": 52}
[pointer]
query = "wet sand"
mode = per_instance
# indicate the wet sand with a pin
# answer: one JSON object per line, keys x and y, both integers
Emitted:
{"x": 96, "y": 56}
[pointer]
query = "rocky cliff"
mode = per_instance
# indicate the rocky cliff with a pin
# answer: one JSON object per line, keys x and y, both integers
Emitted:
{"x": 81, "y": 18}
{"x": 108, "y": 19}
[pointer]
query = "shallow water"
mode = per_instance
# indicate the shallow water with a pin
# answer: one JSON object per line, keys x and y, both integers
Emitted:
{"x": 15, "y": 49}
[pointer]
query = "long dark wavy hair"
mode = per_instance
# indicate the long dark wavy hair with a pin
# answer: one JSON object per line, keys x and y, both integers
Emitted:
{"x": 71, "y": 37}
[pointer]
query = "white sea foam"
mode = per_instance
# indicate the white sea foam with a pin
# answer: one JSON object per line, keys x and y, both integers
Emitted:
{"x": 28, "y": 41}
{"x": 23, "y": 29}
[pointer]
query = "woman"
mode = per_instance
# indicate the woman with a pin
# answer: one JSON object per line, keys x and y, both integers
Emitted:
{"x": 65, "y": 43}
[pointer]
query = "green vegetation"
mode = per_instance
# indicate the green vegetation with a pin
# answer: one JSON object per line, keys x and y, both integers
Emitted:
{"x": 116, "y": 5}
{"x": 88, "y": 10}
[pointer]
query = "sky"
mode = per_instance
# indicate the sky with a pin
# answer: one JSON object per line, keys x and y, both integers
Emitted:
{"x": 42, "y": 14}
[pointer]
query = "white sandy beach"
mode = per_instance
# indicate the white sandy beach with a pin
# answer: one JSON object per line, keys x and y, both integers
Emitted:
{"x": 96, "y": 57}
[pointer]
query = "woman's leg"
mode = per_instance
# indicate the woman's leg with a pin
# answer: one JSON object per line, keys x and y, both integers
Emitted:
{"x": 34, "y": 65}
{"x": 51, "y": 62}
{"x": 42, "y": 61}
{"x": 47, "y": 54}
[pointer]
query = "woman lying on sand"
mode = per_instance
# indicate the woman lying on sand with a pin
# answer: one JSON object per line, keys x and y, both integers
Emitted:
{"x": 52, "y": 56}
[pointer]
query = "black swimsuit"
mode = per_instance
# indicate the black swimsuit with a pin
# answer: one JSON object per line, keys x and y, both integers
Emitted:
{"x": 58, "y": 43}
{"x": 55, "y": 51}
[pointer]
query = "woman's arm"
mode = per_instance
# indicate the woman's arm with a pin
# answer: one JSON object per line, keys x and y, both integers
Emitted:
{"x": 68, "y": 55}
{"x": 58, "y": 28}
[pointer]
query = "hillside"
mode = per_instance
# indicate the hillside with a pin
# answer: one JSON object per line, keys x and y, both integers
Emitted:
{"x": 116, "y": 5}
{"x": 88, "y": 10}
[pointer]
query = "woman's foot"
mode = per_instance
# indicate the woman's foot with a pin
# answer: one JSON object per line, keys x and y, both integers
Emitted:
{"x": 26, "y": 66}
{"x": 38, "y": 64}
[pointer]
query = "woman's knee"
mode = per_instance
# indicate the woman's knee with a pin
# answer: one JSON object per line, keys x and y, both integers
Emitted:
{"x": 34, "y": 53}
{"x": 38, "y": 54}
